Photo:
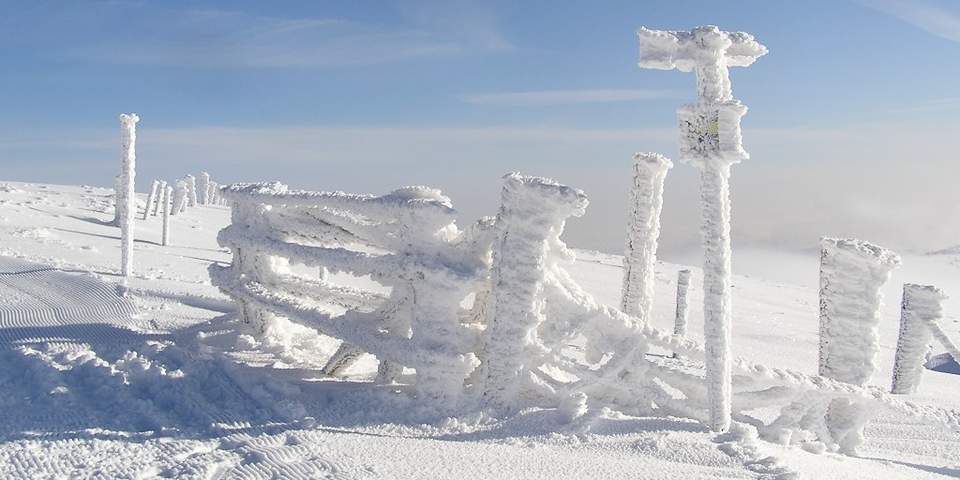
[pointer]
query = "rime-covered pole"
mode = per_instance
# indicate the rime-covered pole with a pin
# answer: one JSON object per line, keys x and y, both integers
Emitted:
{"x": 643, "y": 230}
{"x": 851, "y": 275}
{"x": 167, "y": 199}
{"x": 710, "y": 140}
{"x": 203, "y": 188}
{"x": 155, "y": 208}
{"x": 151, "y": 198}
{"x": 191, "y": 191}
{"x": 532, "y": 211}
{"x": 680, "y": 320}
{"x": 921, "y": 306}
{"x": 127, "y": 207}
{"x": 179, "y": 197}
{"x": 117, "y": 199}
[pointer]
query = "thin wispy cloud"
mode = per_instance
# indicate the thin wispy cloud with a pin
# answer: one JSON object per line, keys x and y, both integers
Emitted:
{"x": 938, "y": 105}
{"x": 231, "y": 39}
{"x": 933, "y": 18}
{"x": 566, "y": 97}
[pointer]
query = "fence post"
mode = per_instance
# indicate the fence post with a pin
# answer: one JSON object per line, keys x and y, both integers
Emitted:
{"x": 643, "y": 230}
{"x": 151, "y": 198}
{"x": 127, "y": 206}
{"x": 921, "y": 306}
{"x": 203, "y": 188}
{"x": 532, "y": 210}
{"x": 680, "y": 320}
{"x": 155, "y": 208}
{"x": 851, "y": 275}
{"x": 167, "y": 200}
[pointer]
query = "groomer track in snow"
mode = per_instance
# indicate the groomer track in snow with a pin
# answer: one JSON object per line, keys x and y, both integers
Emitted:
{"x": 39, "y": 303}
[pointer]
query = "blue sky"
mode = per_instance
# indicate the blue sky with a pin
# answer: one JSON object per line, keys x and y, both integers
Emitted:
{"x": 856, "y": 97}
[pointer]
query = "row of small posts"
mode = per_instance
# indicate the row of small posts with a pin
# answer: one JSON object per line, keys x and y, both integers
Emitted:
{"x": 163, "y": 199}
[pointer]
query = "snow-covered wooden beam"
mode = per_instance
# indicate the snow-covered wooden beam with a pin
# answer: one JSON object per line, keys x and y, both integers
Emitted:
{"x": 851, "y": 275}
{"x": 922, "y": 305}
{"x": 643, "y": 231}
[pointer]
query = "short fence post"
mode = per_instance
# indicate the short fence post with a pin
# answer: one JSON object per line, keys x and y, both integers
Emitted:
{"x": 921, "y": 306}
{"x": 643, "y": 231}
{"x": 151, "y": 198}
{"x": 127, "y": 206}
{"x": 532, "y": 210}
{"x": 680, "y": 320}
{"x": 851, "y": 275}
{"x": 167, "y": 200}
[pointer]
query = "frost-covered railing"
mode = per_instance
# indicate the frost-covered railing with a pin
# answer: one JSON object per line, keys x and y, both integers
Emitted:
{"x": 405, "y": 240}
{"x": 532, "y": 336}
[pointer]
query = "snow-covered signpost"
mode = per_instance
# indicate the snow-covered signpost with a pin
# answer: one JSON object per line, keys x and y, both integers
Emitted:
{"x": 922, "y": 305}
{"x": 127, "y": 206}
{"x": 710, "y": 140}
{"x": 643, "y": 230}
{"x": 851, "y": 275}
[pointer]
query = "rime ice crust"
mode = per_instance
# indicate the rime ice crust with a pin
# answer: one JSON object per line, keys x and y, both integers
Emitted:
{"x": 643, "y": 230}
{"x": 921, "y": 306}
{"x": 851, "y": 275}
{"x": 126, "y": 207}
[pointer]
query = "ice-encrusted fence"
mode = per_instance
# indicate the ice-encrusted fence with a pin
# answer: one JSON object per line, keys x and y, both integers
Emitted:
{"x": 489, "y": 318}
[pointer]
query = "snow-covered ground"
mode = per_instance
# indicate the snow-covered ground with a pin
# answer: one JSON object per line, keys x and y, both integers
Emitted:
{"x": 178, "y": 391}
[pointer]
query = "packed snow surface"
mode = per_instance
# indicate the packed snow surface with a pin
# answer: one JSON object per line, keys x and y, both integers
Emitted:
{"x": 178, "y": 389}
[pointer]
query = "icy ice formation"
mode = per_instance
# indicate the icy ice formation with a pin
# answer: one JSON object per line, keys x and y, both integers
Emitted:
{"x": 127, "y": 206}
{"x": 851, "y": 274}
{"x": 643, "y": 230}
{"x": 921, "y": 305}
{"x": 711, "y": 141}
